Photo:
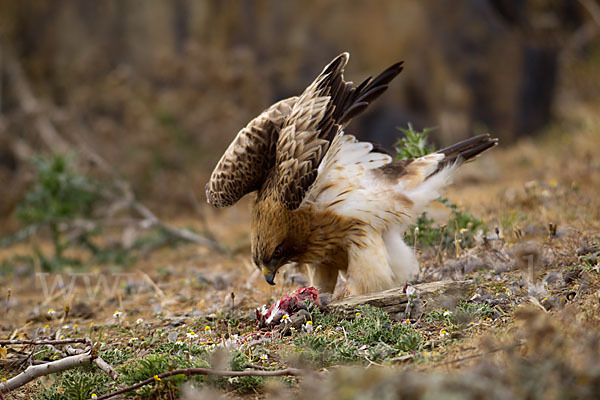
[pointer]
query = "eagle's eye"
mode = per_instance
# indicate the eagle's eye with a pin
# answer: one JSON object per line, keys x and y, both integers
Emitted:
{"x": 277, "y": 252}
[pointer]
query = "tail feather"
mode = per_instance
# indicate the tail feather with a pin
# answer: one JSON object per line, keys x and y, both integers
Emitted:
{"x": 465, "y": 150}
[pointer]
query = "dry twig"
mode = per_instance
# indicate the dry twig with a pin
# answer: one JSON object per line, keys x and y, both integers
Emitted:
{"x": 43, "y": 342}
{"x": 100, "y": 363}
{"x": 204, "y": 371}
{"x": 461, "y": 359}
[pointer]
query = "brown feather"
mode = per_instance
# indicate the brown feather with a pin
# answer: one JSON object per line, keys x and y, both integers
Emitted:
{"x": 316, "y": 122}
{"x": 246, "y": 162}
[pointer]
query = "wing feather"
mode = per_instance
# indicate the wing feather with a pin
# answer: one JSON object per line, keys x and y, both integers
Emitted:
{"x": 328, "y": 104}
{"x": 248, "y": 159}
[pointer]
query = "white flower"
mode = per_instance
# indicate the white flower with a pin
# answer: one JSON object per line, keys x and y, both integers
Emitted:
{"x": 133, "y": 339}
{"x": 444, "y": 333}
{"x": 139, "y": 321}
{"x": 308, "y": 326}
{"x": 192, "y": 335}
{"x": 51, "y": 311}
{"x": 446, "y": 313}
{"x": 207, "y": 330}
{"x": 318, "y": 328}
{"x": 411, "y": 291}
{"x": 117, "y": 314}
{"x": 66, "y": 326}
{"x": 264, "y": 357}
{"x": 285, "y": 318}
{"x": 210, "y": 347}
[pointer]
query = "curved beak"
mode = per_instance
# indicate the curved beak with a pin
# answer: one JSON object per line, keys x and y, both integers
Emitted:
{"x": 269, "y": 276}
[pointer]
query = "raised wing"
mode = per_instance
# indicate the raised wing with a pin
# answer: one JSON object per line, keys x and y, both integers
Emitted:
{"x": 248, "y": 159}
{"x": 326, "y": 105}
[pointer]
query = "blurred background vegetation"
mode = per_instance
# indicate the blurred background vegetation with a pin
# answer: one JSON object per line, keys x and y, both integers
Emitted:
{"x": 159, "y": 88}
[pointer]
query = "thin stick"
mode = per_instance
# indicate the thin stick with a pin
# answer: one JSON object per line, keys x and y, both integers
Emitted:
{"x": 458, "y": 360}
{"x": 100, "y": 363}
{"x": 42, "y": 342}
{"x": 106, "y": 368}
{"x": 204, "y": 371}
{"x": 35, "y": 371}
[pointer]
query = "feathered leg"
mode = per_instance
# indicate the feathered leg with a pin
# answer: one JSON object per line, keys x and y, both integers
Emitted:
{"x": 323, "y": 277}
{"x": 401, "y": 257}
{"x": 368, "y": 268}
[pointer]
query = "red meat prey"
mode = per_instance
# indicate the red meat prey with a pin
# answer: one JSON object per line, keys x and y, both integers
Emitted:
{"x": 288, "y": 304}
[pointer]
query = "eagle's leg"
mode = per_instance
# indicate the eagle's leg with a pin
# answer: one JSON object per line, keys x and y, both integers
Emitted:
{"x": 323, "y": 277}
{"x": 401, "y": 257}
{"x": 368, "y": 267}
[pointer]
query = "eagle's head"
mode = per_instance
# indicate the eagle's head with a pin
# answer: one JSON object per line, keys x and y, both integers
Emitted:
{"x": 278, "y": 236}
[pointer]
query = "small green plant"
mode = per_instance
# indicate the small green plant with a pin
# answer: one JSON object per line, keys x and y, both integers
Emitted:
{"x": 463, "y": 313}
{"x": 444, "y": 317}
{"x": 77, "y": 384}
{"x": 475, "y": 310}
{"x": 58, "y": 196}
{"x": 369, "y": 335}
{"x": 154, "y": 364}
{"x": 66, "y": 204}
{"x": 461, "y": 226}
{"x": 167, "y": 356}
{"x": 413, "y": 144}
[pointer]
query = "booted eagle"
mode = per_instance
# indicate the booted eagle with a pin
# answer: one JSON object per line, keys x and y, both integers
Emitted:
{"x": 325, "y": 199}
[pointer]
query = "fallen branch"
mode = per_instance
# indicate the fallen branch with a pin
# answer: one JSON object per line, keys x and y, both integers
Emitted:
{"x": 100, "y": 363}
{"x": 35, "y": 371}
{"x": 43, "y": 342}
{"x": 106, "y": 368}
{"x": 204, "y": 371}
{"x": 393, "y": 301}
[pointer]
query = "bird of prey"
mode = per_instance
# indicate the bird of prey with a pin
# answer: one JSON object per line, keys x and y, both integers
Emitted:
{"x": 326, "y": 199}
